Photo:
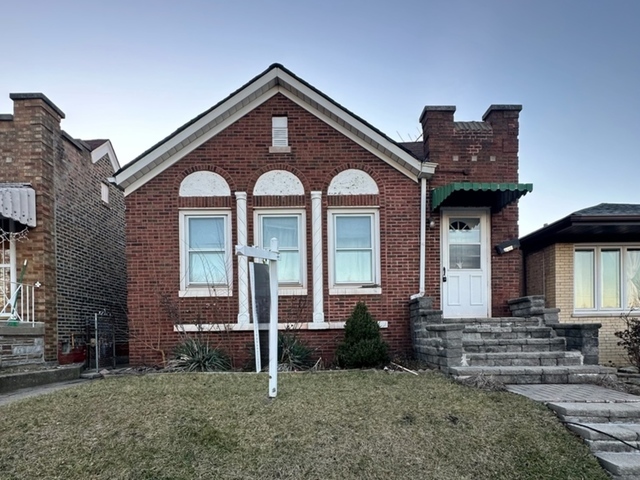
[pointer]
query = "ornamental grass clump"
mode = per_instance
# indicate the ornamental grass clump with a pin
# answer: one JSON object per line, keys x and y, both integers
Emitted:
{"x": 193, "y": 355}
{"x": 363, "y": 346}
{"x": 293, "y": 354}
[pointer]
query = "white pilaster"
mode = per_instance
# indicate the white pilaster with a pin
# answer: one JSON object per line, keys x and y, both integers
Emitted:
{"x": 243, "y": 262}
{"x": 316, "y": 232}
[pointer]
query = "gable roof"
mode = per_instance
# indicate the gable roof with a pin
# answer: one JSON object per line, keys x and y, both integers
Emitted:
{"x": 606, "y": 222}
{"x": 276, "y": 79}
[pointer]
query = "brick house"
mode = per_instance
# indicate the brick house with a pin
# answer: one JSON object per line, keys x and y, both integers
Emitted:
{"x": 359, "y": 217}
{"x": 60, "y": 215}
{"x": 587, "y": 264}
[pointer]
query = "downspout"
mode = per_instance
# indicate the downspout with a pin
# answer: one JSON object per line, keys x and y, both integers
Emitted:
{"x": 423, "y": 234}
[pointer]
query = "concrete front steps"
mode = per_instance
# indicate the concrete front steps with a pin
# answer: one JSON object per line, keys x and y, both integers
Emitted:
{"x": 611, "y": 430}
{"x": 516, "y": 350}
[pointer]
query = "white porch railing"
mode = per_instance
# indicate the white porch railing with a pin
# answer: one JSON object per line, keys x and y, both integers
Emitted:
{"x": 18, "y": 302}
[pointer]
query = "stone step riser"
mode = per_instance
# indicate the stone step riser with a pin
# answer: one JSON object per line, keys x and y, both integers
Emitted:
{"x": 621, "y": 465}
{"x": 628, "y": 432}
{"x": 496, "y": 322}
{"x": 505, "y": 335}
{"x": 513, "y": 348}
{"x": 524, "y": 362}
{"x": 600, "y": 419}
{"x": 547, "y": 379}
{"x": 613, "y": 446}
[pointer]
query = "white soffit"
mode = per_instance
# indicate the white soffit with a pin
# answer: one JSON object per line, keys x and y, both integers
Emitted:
{"x": 239, "y": 104}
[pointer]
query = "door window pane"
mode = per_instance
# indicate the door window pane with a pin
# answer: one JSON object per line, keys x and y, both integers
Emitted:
{"x": 610, "y": 266}
{"x": 584, "y": 296}
{"x": 464, "y": 257}
{"x": 464, "y": 243}
{"x": 464, "y": 230}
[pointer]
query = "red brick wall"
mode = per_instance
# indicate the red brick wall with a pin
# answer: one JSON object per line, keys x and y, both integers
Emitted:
{"x": 442, "y": 141}
{"x": 240, "y": 155}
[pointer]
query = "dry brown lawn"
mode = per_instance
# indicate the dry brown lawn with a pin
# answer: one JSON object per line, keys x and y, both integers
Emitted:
{"x": 324, "y": 425}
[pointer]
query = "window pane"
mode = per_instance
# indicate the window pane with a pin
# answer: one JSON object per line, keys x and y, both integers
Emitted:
{"x": 285, "y": 229}
{"x": 207, "y": 268}
{"x": 354, "y": 266}
{"x": 464, "y": 230}
{"x": 610, "y": 260}
{"x": 632, "y": 276}
{"x": 206, "y": 233}
{"x": 289, "y": 268}
{"x": 353, "y": 232}
{"x": 464, "y": 256}
{"x": 584, "y": 279}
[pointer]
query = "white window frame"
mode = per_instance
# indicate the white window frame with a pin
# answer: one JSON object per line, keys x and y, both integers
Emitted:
{"x": 199, "y": 290}
{"x": 597, "y": 278}
{"x": 285, "y": 289}
{"x": 279, "y": 135}
{"x": 354, "y": 288}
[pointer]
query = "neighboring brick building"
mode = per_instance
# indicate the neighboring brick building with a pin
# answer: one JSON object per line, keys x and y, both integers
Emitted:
{"x": 588, "y": 265}
{"x": 54, "y": 191}
{"x": 358, "y": 217}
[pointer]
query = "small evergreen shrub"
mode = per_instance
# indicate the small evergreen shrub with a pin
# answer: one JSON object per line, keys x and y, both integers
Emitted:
{"x": 193, "y": 355}
{"x": 630, "y": 338}
{"x": 293, "y": 354}
{"x": 363, "y": 345}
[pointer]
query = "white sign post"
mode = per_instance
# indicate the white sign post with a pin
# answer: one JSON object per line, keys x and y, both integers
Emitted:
{"x": 271, "y": 255}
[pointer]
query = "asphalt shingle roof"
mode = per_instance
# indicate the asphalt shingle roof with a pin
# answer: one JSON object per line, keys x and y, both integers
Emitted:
{"x": 610, "y": 209}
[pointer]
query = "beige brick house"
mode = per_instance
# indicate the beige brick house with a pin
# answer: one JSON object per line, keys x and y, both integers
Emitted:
{"x": 588, "y": 265}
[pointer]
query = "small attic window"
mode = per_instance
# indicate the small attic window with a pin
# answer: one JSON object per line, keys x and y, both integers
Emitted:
{"x": 279, "y": 135}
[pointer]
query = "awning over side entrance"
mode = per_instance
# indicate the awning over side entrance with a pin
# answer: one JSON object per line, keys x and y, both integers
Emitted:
{"x": 18, "y": 203}
{"x": 468, "y": 194}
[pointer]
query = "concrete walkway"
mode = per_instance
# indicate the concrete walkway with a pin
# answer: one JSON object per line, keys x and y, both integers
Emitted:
{"x": 607, "y": 420}
{"x": 6, "y": 398}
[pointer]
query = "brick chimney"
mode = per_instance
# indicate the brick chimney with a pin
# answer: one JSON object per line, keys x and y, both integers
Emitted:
{"x": 437, "y": 130}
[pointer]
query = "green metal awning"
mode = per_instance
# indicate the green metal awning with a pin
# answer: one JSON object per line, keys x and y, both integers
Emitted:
{"x": 468, "y": 194}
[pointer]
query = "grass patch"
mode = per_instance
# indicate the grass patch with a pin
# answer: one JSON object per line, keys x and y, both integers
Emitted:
{"x": 326, "y": 425}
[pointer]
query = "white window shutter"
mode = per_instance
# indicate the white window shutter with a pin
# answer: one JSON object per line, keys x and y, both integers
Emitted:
{"x": 280, "y": 132}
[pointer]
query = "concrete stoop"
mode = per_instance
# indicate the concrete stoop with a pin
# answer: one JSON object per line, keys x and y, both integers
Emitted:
{"x": 611, "y": 430}
{"x": 516, "y": 350}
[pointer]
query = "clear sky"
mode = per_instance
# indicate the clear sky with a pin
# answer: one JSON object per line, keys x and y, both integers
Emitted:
{"x": 134, "y": 71}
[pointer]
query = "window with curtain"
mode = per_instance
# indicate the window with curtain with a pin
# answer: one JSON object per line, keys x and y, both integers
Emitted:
{"x": 287, "y": 228}
{"x": 353, "y": 249}
{"x": 205, "y": 262}
{"x": 606, "y": 278}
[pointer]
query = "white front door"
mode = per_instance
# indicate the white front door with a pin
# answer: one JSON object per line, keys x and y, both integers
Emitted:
{"x": 465, "y": 263}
